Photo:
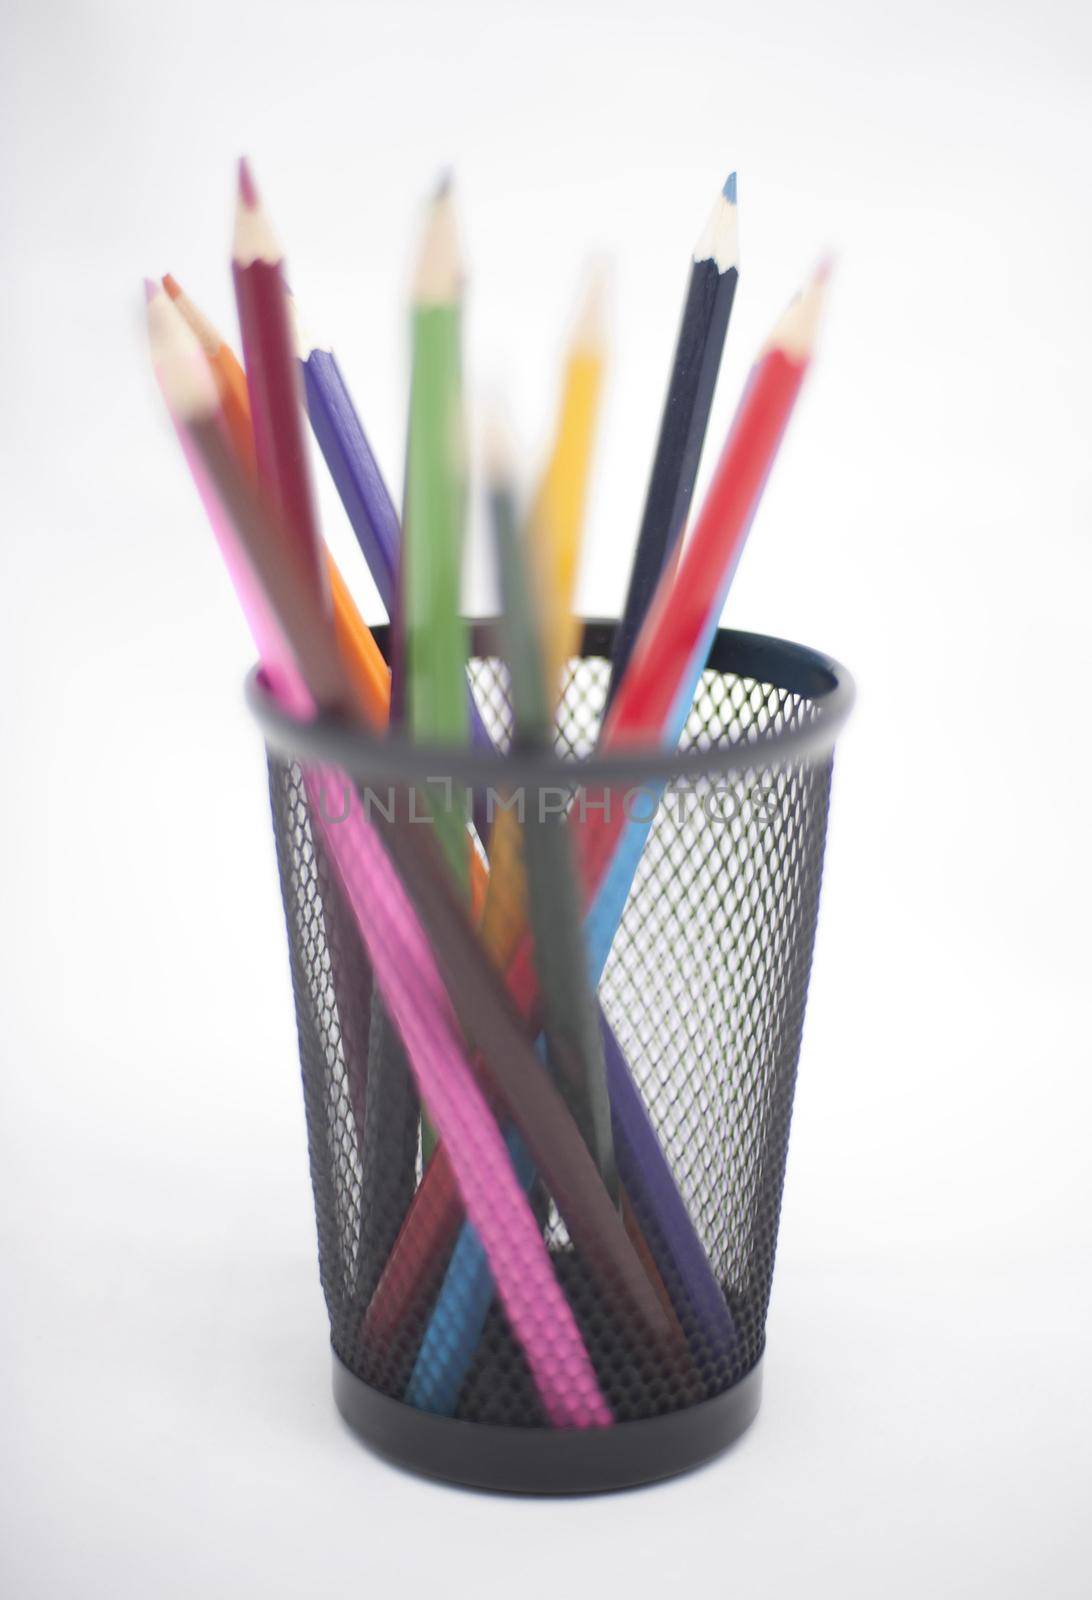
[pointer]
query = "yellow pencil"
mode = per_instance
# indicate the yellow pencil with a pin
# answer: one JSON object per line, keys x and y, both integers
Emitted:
{"x": 557, "y": 519}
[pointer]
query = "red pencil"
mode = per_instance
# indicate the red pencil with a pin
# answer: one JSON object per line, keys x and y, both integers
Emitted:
{"x": 273, "y": 381}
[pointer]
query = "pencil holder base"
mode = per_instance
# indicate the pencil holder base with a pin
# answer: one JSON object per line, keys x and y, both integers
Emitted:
{"x": 543, "y": 1460}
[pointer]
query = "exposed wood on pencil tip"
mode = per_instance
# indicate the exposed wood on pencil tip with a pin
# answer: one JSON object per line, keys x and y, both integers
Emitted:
{"x": 719, "y": 240}
{"x": 497, "y": 453}
{"x": 207, "y": 335}
{"x": 590, "y": 326}
{"x": 254, "y": 239}
{"x": 187, "y": 379}
{"x": 302, "y": 343}
{"x": 795, "y": 334}
{"x": 438, "y": 276}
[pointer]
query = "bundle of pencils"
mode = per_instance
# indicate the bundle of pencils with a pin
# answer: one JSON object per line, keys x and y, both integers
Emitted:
{"x": 488, "y": 1089}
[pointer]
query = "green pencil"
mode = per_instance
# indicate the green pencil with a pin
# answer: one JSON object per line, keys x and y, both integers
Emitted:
{"x": 435, "y": 633}
{"x": 574, "y": 1047}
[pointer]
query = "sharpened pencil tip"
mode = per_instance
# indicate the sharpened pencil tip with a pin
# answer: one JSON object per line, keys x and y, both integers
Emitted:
{"x": 444, "y": 184}
{"x": 248, "y": 190}
{"x": 207, "y": 336}
{"x": 184, "y": 373}
{"x": 438, "y": 279}
{"x": 151, "y": 289}
{"x": 796, "y": 332}
{"x": 497, "y": 452}
{"x": 254, "y": 238}
{"x": 719, "y": 242}
{"x": 590, "y": 327}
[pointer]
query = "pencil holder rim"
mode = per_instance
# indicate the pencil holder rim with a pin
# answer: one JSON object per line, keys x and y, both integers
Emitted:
{"x": 332, "y": 738}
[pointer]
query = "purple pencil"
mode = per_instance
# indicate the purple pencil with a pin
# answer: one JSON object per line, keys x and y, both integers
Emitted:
{"x": 349, "y": 458}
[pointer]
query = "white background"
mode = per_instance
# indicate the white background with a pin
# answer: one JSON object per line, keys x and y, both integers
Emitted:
{"x": 927, "y": 1426}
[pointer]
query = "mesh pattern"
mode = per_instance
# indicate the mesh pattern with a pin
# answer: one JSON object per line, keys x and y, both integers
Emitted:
{"x": 705, "y": 991}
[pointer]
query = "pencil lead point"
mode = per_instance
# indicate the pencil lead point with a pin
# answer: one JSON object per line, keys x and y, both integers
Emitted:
{"x": 151, "y": 289}
{"x": 248, "y": 191}
{"x": 444, "y": 184}
{"x": 171, "y": 286}
{"x": 719, "y": 242}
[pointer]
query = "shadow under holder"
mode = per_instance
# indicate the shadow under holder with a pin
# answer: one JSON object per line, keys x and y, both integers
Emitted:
{"x": 704, "y": 990}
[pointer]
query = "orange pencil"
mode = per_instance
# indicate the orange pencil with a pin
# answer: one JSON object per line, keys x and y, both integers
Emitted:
{"x": 227, "y": 371}
{"x": 361, "y": 656}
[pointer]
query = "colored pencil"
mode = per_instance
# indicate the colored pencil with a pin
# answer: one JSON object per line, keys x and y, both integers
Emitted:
{"x": 555, "y": 538}
{"x": 714, "y": 274}
{"x": 569, "y": 1015}
{"x": 436, "y": 636}
{"x": 401, "y": 955}
{"x": 558, "y": 512}
{"x": 352, "y": 466}
{"x": 229, "y": 375}
{"x": 273, "y": 384}
{"x": 431, "y": 637}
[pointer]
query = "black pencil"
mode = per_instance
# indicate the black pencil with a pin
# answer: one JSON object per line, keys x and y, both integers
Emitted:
{"x": 713, "y": 278}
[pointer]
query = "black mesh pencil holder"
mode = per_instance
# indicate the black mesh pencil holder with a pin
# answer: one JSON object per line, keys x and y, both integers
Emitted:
{"x": 642, "y": 1355}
